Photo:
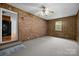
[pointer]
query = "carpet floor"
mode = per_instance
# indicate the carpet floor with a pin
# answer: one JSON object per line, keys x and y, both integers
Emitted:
{"x": 49, "y": 46}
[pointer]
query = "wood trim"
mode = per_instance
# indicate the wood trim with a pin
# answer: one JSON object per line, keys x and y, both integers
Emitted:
{"x": 6, "y": 38}
{"x": 7, "y": 18}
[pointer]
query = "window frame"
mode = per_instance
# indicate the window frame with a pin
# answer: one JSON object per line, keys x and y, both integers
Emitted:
{"x": 61, "y": 26}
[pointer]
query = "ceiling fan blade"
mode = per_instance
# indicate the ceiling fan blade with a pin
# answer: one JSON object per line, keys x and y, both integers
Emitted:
{"x": 42, "y": 6}
{"x": 51, "y": 11}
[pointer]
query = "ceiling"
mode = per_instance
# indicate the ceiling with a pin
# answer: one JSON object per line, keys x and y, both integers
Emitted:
{"x": 60, "y": 9}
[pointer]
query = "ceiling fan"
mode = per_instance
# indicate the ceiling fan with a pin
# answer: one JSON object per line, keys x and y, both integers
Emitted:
{"x": 41, "y": 10}
{"x": 45, "y": 11}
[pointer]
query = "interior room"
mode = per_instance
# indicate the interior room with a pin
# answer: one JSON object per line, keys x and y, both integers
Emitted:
{"x": 39, "y": 29}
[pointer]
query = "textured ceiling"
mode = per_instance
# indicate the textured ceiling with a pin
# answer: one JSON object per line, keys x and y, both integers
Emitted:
{"x": 60, "y": 9}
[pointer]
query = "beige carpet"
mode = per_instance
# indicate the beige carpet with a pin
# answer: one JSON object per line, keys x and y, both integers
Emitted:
{"x": 48, "y": 46}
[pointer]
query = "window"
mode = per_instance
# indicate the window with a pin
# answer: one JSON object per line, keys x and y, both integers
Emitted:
{"x": 58, "y": 26}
